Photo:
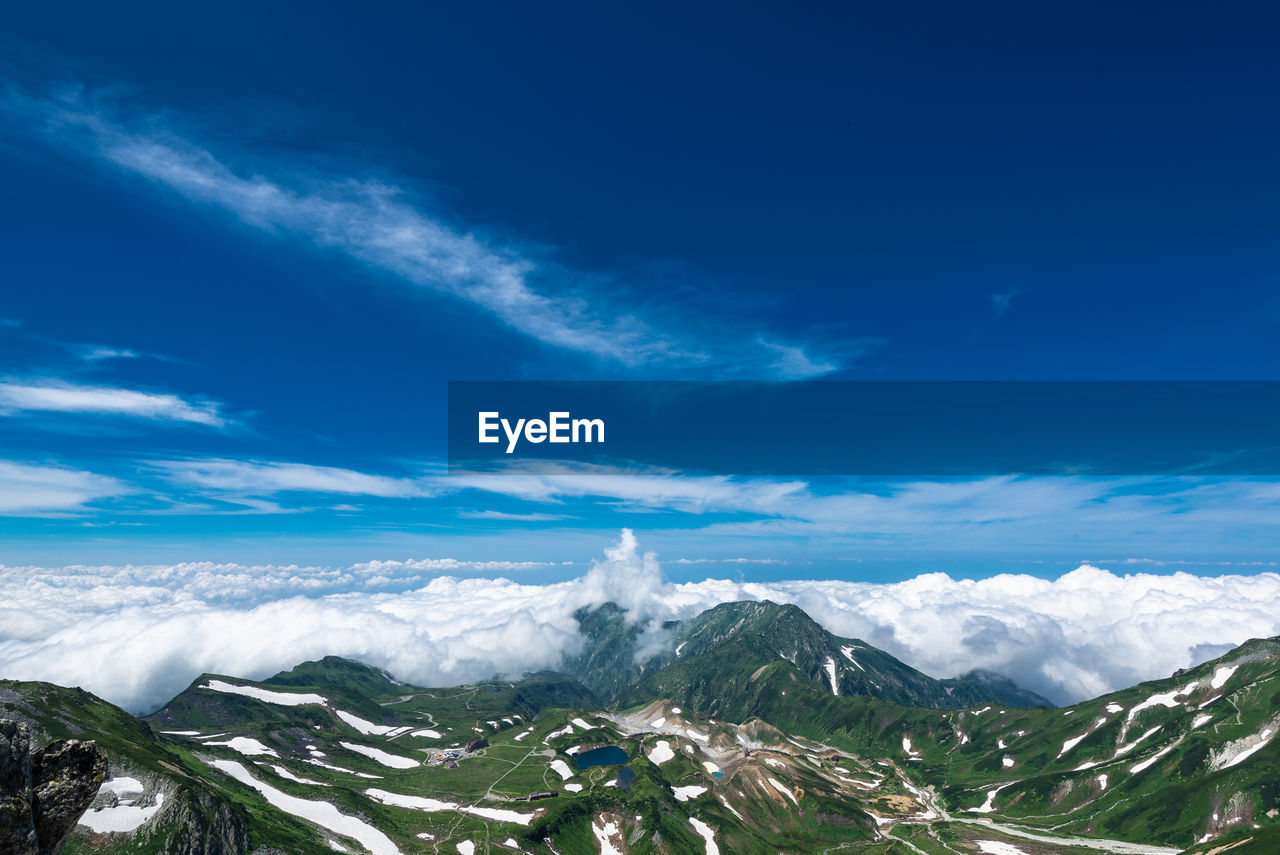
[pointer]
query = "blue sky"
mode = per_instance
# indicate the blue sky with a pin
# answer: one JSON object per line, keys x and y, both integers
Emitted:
{"x": 241, "y": 255}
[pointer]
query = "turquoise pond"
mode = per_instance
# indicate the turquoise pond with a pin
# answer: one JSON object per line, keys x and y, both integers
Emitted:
{"x": 609, "y": 755}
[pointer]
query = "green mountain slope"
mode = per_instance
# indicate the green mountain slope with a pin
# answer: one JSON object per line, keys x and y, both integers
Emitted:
{"x": 734, "y": 745}
{"x": 192, "y": 815}
{"x": 1001, "y": 689}
{"x": 1169, "y": 762}
{"x": 303, "y": 773}
{"x": 337, "y": 672}
{"x": 761, "y": 633}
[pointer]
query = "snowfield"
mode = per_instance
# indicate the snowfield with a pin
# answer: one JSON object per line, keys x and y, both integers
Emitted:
{"x": 322, "y": 814}
{"x": 1071, "y": 743}
{"x": 434, "y": 805}
{"x": 323, "y": 765}
{"x": 393, "y": 761}
{"x": 368, "y": 728}
{"x": 1222, "y": 675}
{"x": 121, "y": 818}
{"x": 1125, "y": 749}
{"x": 1240, "y": 750}
{"x": 562, "y": 769}
{"x": 1164, "y": 699}
{"x": 122, "y": 786}
{"x": 705, "y": 830}
{"x": 565, "y": 731}
{"x": 683, "y": 794}
{"x": 284, "y": 699}
{"x": 661, "y": 753}
{"x": 1146, "y": 764}
{"x": 289, "y": 776}
{"x": 996, "y": 847}
{"x": 784, "y": 790}
{"x": 989, "y": 805}
{"x": 247, "y": 745}
{"x": 848, "y": 654}
{"x": 604, "y": 834}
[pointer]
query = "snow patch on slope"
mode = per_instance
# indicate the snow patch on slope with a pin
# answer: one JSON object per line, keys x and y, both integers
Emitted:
{"x": 661, "y": 753}
{"x": 284, "y": 699}
{"x": 120, "y": 818}
{"x": 1240, "y": 750}
{"x": 705, "y": 831}
{"x": 321, "y": 813}
{"x": 393, "y": 761}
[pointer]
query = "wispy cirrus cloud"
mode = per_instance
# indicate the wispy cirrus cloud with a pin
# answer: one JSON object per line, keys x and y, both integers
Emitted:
{"x": 1213, "y": 517}
{"x": 511, "y": 517}
{"x": 34, "y": 490}
{"x": 58, "y": 396}
{"x": 379, "y": 224}
{"x": 268, "y": 478}
{"x": 98, "y": 353}
{"x": 728, "y": 561}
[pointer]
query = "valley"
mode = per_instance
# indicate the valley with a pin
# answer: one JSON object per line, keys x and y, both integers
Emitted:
{"x": 755, "y": 731}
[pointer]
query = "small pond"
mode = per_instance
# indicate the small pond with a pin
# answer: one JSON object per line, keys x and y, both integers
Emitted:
{"x": 625, "y": 777}
{"x": 608, "y": 755}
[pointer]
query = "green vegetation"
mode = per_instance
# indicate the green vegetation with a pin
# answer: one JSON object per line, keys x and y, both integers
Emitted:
{"x": 1167, "y": 763}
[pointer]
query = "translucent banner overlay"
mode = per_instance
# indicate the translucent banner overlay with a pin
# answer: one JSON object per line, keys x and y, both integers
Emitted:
{"x": 869, "y": 428}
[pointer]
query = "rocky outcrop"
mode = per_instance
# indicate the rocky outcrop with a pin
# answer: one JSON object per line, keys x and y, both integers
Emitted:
{"x": 44, "y": 793}
{"x": 206, "y": 825}
{"x": 17, "y": 823}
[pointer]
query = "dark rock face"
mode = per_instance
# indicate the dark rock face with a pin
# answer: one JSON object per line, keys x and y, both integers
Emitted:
{"x": 211, "y": 827}
{"x": 43, "y": 795}
{"x": 17, "y": 823}
{"x": 65, "y": 777}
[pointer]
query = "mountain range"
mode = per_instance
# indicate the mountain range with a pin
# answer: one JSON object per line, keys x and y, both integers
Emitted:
{"x": 748, "y": 729}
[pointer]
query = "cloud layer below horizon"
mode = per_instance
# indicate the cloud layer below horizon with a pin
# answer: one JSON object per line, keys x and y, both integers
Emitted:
{"x": 137, "y": 635}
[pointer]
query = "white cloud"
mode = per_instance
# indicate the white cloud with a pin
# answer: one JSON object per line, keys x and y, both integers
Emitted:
{"x": 504, "y": 515}
{"x": 449, "y": 565}
{"x": 377, "y": 223}
{"x": 32, "y": 490}
{"x": 794, "y": 364}
{"x": 728, "y": 561}
{"x": 551, "y": 481}
{"x": 251, "y": 477}
{"x": 60, "y": 397}
{"x": 98, "y": 354}
{"x": 138, "y": 635}
{"x": 996, "y": 512}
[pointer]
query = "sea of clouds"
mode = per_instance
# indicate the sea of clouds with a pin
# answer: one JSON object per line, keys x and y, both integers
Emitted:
{"x": 138, "y": 635}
